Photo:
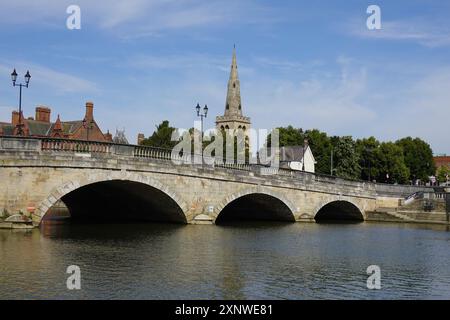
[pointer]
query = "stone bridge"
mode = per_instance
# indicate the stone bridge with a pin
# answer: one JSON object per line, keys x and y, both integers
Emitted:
{"x": 111, "y": 181}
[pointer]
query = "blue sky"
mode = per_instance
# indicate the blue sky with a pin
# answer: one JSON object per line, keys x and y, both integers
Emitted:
{"x": 312, "y": 65}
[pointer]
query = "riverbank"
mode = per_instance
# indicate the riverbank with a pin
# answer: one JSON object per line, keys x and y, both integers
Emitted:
{"x": 413, "y": 217}
{"x": 14, "y": 225}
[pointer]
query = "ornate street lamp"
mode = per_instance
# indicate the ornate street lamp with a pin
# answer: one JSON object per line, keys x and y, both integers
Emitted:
{"x": 20, "y": 85}
{"x": 202, "y": 115}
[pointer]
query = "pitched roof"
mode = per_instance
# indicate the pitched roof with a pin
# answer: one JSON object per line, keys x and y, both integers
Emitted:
{"x": 70, "y": 127}
{"x": 293, "y": 153}
{"x": 8, "y": 129}
{"x": 38, "y": 128}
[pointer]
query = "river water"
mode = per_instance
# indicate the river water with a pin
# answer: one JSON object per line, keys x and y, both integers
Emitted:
{"x": 240, "y": 261}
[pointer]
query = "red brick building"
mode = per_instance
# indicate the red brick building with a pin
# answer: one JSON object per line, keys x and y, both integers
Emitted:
{"x": 441, "y": 161}
{"x": 41, "y": 126}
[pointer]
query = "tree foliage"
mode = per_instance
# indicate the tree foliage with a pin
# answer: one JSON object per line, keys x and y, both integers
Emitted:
{"x": 391, "y": 166}
{"x": 346, "y": 158}
{"x": 418, "y": 158}
{"x": 368, "y": 159}
{"x": 321, "y": 147}
{"x": 443, "y": 173}
{"x": 161, "y": 137}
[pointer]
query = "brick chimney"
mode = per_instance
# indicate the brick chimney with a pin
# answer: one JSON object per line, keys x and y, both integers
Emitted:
{"x": 43, "y": 114}
{"x": 89, "y": 111}
{"x": 108, "y": 136}
{"x": 15, "y": 118}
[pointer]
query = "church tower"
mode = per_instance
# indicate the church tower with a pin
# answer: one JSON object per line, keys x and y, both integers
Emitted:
{"x": 233, "y": 117}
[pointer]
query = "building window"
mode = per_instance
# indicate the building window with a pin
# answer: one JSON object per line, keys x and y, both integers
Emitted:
{"x": 240, "y": 107}
{"x": 228, "y": 106}
{"x": 234, "y": 84}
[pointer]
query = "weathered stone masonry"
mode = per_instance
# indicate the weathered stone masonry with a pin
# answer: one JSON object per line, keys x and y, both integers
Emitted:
{"x": 33, "y": 179}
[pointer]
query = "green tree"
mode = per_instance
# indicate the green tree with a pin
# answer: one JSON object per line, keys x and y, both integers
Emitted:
{"x": 442, "y": 173}
{"x": 392, "y": 167}
{"x": 320, "y": 145}
{"x": 346, "y": 158}
{"x": 161, "y": 137}
{"x": 290, "y": 136}
{"x": 369, "y": 158}
{"x": 418, "y": 158}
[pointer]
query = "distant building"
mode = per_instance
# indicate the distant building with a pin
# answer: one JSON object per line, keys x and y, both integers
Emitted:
{"x": 140, "y": 138}
{"x": 41, "y": 126}
{"x": 441, "y": 161}
{"x": 294, "y": 157}
{"x": 233, "y": 118}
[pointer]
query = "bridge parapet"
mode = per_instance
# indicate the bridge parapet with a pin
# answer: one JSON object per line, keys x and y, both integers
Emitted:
{"x": 66, "y": 153}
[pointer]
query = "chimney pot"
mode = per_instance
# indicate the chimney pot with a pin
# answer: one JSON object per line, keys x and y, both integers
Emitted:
{"x": 89, "y": 110}
{"x": 43, "y": 114}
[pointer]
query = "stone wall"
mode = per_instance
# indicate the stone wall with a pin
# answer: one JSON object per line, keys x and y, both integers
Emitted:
{"x": 33, "y": 180}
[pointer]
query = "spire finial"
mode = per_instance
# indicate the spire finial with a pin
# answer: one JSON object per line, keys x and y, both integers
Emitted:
{"x": 233, "y": 102}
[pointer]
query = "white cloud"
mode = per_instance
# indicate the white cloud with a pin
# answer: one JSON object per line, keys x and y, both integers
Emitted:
{"x": 424, "y": 111}
{"x": 137, "y": 18}
{"x": 49, "y": 78}
{"x": 415, "y": 30}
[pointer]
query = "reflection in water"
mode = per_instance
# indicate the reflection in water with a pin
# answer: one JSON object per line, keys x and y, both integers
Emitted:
{"x": 235, "y": 261}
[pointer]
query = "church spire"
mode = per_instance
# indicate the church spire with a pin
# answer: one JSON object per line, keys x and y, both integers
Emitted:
{"x": 233, "y": 104}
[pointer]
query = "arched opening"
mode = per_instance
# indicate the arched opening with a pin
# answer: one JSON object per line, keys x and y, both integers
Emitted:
{"x": 339, "y": 211}
{"x": 255, "y": 207}
{"x": 116, "y": 201}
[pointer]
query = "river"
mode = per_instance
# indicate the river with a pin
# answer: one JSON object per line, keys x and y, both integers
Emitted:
{"x": 238, "y": 261}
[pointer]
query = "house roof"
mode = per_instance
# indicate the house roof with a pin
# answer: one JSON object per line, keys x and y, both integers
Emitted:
{"x": 293, "y": 153}
{"x": 442, "y": 161}
{"x": 41, "y": 128}
{"x": 8, "y": 129}
{"x": 38, "y": 128}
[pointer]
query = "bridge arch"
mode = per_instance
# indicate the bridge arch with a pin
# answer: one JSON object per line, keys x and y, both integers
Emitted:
{"x": 254, "y": 204}
{"x": 117, "y": 178}
{"x": 339, "y": 210}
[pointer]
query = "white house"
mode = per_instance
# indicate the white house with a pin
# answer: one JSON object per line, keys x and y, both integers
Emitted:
{"x": 294, "y": 157}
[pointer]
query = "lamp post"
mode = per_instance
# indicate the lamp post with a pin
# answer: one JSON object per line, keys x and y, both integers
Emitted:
{"x": 369, "y": 158}
{"x": 20, "y": 85}
{"x": 202, "y": 115}
{"x": 88, "y": 126}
